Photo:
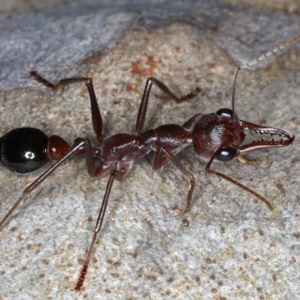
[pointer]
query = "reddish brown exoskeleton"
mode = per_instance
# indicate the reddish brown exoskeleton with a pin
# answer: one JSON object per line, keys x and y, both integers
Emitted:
{"x": 213, "y": 136}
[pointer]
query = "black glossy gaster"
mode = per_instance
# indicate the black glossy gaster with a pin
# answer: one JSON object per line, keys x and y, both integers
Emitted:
{"x": 23, "y": 150}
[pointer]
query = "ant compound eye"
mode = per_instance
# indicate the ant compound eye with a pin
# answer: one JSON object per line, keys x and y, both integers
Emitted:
{"x": 225, "y": 112}
{"x": 226, "y": 154}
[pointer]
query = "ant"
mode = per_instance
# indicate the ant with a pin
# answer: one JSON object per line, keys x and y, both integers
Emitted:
{"x": 217, "y": 135}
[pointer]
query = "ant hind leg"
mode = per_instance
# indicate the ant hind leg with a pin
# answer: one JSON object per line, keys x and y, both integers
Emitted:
{"x": 95, "y": 111}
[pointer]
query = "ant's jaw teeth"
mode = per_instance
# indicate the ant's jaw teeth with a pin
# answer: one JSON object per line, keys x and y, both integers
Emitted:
{"x": 272, "y": 137}
{"x": 272, "y": 132}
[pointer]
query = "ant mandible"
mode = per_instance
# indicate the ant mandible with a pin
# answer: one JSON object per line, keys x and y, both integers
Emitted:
{"x": 214, "y": 136}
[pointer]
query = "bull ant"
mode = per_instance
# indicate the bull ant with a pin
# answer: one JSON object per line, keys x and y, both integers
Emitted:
{"x": 218, "y": 135}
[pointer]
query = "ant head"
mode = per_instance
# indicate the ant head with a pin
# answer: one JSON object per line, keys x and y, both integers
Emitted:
{"x": 218, "y": 134}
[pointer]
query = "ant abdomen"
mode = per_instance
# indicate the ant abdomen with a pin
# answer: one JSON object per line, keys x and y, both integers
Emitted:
{"x": 23, "y": 150}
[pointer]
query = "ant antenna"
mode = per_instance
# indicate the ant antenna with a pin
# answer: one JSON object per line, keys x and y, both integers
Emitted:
{"x": 256, "y": 61}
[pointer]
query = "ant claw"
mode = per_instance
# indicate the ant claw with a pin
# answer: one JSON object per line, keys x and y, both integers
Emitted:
{"x": 180, "y": 212}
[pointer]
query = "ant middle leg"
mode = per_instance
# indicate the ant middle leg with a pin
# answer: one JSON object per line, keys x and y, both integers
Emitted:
{"x": 95, "y": 111}
{"x": 141, "y": 116}
{"x": 157, "y": 164}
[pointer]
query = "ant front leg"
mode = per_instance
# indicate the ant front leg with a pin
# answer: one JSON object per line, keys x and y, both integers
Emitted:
{"x": 140, "y": 120}
{"x": 187, "y": 173}
{"x": 95, "y": 111}
{"x": 242, "y": 186}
